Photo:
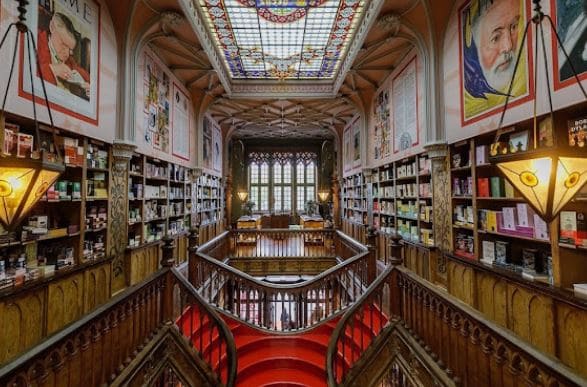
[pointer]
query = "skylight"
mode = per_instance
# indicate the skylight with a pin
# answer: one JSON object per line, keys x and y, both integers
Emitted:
{"x": 282, "y": 39}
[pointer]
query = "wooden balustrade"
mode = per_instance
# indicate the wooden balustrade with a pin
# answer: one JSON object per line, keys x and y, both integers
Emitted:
{"x": 95, "y": 349}
{"x": 467, "y": 345}
{"x": 280, "y": 307}
{"x": 205, "y": 330}
{"x": 283, "y": 307}
{"x": 359, "y": 327}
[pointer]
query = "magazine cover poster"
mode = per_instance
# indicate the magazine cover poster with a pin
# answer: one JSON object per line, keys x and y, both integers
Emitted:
{"x": 570, "y": 17}
{"x": 490, "y": 37}
{"x": 67, "y": 35}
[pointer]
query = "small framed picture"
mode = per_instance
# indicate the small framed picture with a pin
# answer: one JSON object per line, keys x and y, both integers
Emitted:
{"x": 519, "y": 142}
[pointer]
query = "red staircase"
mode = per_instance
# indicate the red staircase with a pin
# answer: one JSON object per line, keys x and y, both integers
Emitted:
{"x": 266, "y": 359}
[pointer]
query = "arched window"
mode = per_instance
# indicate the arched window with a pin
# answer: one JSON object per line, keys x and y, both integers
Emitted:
{"x": 282, "y": 181}
{"x": 282, "y": 187}
{"x": 305, "y": 184}
{"x": 259, "y": 185}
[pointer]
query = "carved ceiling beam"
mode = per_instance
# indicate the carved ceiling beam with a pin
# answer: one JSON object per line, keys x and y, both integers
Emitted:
{"x": 374, "y": 84}
{"x": 190, "y": 82}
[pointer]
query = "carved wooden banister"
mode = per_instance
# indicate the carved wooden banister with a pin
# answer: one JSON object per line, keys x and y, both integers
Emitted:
{"x": 474, "y": 349}
{"x": 96, "y": 349}
{"x": 215, "y": 344}
{"x": 359, "y": 327}
{"x": 282, "y": 307}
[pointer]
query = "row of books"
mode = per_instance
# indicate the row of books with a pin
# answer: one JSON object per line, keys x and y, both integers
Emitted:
{"x": 516, "y": 221}
{"x": 494, "y": 187}
{"x": 573, "y": 228}
{"x": 462, "y": 186}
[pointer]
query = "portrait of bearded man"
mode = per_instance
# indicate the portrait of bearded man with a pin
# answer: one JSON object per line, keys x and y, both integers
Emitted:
{"x": 491, "y": 38}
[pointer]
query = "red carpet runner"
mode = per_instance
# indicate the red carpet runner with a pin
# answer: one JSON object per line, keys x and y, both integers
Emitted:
{"x": 285, "y": 360}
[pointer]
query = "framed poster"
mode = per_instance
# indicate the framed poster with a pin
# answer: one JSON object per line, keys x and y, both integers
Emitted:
{"x": 217, "y": 148}
{"x": 67, "y": 35}
{"x": 157, "y": 105}
{"x": 405, "y": 108}
{"x": 570, "y": 18}
{"x": 207, "y": 142}
{"x": 490, "y": 36}
{"x": 382, "y": 128}
{"x": 356, "y": 133}
{"x": 346, "y": 160}
{"x": 180, "y": 123}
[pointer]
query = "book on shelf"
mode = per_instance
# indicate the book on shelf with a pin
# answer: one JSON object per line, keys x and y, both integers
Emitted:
{"x": 568, "y": 227}
{"x": 483, "y": 187}
{"x": 577, "y": 129}
{"x": 481, "y": 154}
{"x": 502, "y": 252}
{"x": 525, "y": 215}
{"x": 497, "y": 187}
{"x": 488, "y": 252}
{"x": 540, "y": 228}
{"x": 509, "y": 218}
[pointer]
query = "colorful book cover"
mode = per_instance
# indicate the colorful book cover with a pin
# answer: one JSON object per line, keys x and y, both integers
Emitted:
{"x": 483, "y": 187}
{"x": 497, "y": 190}
{"x": 492, "y": 221}
{"x": 508, "y": 189}
{"x": 578, "y": 132}
{"x": 568, "y": 227}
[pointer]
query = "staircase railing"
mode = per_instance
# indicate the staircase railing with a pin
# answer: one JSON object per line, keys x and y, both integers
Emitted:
{"x": 95, "y": 349}
{"x": 358, "y": 328}
{"x": 283, "y": 307}
{"x": 467, "y": 345}
{"x": 203, "y": 328}
{"x": 452, "y": 337}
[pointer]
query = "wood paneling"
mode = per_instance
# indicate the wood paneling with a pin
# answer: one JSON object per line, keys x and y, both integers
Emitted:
{"x": 97, "y": 287}
{"x": 461, "y": 283}
{"x": 64, "y": 302}
{"x": 142, "y": 262}
{"x": 572, "y": 334}
{"x": 21, "y": 323}
{"x": 550, "y": 320}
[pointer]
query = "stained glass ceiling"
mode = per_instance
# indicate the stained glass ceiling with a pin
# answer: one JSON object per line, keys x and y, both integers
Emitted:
{"x": 282, "y": 39}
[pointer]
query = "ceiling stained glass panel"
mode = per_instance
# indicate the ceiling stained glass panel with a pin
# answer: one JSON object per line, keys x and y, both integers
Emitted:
{"x": 282, "y": 39}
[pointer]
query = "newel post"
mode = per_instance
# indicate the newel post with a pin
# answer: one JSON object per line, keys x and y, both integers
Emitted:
{"x": 167, "y": 262}
{"x": 372, "y": 259}
{"x": 193, "y": 239}
{"x": 395, "y": 248}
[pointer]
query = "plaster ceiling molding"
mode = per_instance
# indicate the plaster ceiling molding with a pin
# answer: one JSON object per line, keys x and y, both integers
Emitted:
{"x": 170, "y": 20}
{"x": 390, "y": 22}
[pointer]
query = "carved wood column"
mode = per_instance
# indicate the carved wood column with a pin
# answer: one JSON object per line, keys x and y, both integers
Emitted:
{"x": 228, "y": 198}
{"x": 118, "y": 234}
{"x": 441, "y": 201}
{"x": 336, "y": 201}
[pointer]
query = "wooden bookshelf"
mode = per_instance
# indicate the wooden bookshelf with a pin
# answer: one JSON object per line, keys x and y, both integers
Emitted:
{"x": 402, "y": 199}
{"x": 498, "y": 215}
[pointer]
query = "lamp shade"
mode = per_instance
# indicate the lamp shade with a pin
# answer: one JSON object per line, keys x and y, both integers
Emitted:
{"x": 323, "y": 195}
{"x": 546, "y": 180}
{"x": 22, "y": 183}
{"x": 242, "y": 195}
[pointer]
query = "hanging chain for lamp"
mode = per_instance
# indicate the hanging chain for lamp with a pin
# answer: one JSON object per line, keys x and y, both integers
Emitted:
{"x": 537, "y": 19}
{"x": 24, "y": 181}
{"x": 548, "y": 178}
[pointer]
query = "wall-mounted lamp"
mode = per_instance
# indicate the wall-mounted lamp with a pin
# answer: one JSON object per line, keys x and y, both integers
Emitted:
{"x": 547, "y": 177}
{"x": 323, "y": 195}
{"x": 24, "y": 181}
{"x": 242, "y": 195}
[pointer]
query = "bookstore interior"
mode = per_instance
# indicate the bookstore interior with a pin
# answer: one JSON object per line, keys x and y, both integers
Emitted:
{"x": 448, "y": 136}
